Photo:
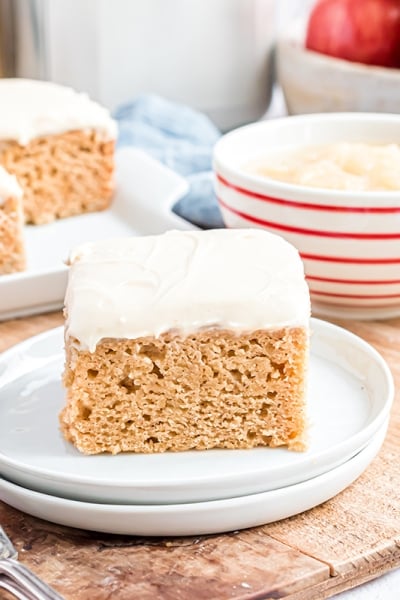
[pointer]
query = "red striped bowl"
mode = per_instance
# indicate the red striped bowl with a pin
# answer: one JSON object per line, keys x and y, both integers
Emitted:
{"x": 349, "y": 241}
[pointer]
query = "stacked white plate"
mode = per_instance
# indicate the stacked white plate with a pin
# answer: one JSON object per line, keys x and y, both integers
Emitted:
{"x": 188, "y": 493}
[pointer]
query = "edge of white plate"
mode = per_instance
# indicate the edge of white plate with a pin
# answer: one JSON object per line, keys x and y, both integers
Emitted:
{"x": 198, "y": 518}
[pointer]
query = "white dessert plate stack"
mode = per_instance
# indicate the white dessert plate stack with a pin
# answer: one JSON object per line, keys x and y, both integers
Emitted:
{"x": 188, "y": 493}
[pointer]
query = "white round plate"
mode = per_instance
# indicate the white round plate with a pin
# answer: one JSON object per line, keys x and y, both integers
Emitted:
{"x": 196, "y": 518}
{"x": 350, "y": 393}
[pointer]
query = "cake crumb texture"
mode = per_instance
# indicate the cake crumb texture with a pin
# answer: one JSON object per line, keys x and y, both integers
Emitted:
{"x": 211, "y": 389}
{"x": 12, "y": 252}
{"x": 61, "y": 175}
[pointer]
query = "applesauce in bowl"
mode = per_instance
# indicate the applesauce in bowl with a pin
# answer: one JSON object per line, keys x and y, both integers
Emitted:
{"x": 337, "y": 202}
{"x": 338, "y": 166}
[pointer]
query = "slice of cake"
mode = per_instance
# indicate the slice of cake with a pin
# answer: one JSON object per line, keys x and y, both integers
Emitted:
{"x": 187, "y": 340}
{"x": 12, "y": 253}
{"x": 60, "y": 146}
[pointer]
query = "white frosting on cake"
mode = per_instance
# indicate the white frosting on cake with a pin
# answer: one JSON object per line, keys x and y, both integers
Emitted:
{"x": 9, "y": 187}
{"x": 31, "y": 109}
{"x": 243, "y": 279}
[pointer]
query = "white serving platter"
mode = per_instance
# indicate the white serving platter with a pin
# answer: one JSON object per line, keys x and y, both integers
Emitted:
{"x": 197, "y": 518}
{"x": 145, "y": 193}
{"x": 350, "y": 394}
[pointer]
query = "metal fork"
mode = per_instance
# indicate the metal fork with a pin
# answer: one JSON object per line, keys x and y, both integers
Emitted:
{"x": 18, "y": 579}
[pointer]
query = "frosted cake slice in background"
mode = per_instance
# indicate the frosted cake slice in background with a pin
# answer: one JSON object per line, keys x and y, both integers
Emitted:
{"x": 60, "y": 146}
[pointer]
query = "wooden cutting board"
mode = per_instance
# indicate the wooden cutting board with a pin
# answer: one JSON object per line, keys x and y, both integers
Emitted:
{"x": 350, "y": 539}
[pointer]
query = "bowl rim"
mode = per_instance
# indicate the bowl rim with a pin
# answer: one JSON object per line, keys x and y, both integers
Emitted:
{"x": 293, "y": 37}
{"x": 278, "y": 188}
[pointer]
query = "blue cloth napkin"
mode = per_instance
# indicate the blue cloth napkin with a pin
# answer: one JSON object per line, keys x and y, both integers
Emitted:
{"x": 182, "y": 139}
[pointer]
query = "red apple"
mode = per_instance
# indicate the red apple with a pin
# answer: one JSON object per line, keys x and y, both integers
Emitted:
{"x": 365, "y": 31}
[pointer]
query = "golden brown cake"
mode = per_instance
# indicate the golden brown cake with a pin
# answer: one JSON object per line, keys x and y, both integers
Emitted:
{"x": 12, "y": 253}
{"x": 60, "y": 146}
{"x": 187, "y": 340}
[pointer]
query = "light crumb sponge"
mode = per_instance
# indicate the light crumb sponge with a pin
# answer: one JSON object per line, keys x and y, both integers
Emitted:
{"x": 12, "y": 251}
{"x": 188, "y": 340}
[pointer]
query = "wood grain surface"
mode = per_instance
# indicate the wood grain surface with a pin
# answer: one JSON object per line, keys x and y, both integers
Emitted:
{"x": 348, "y": 540}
